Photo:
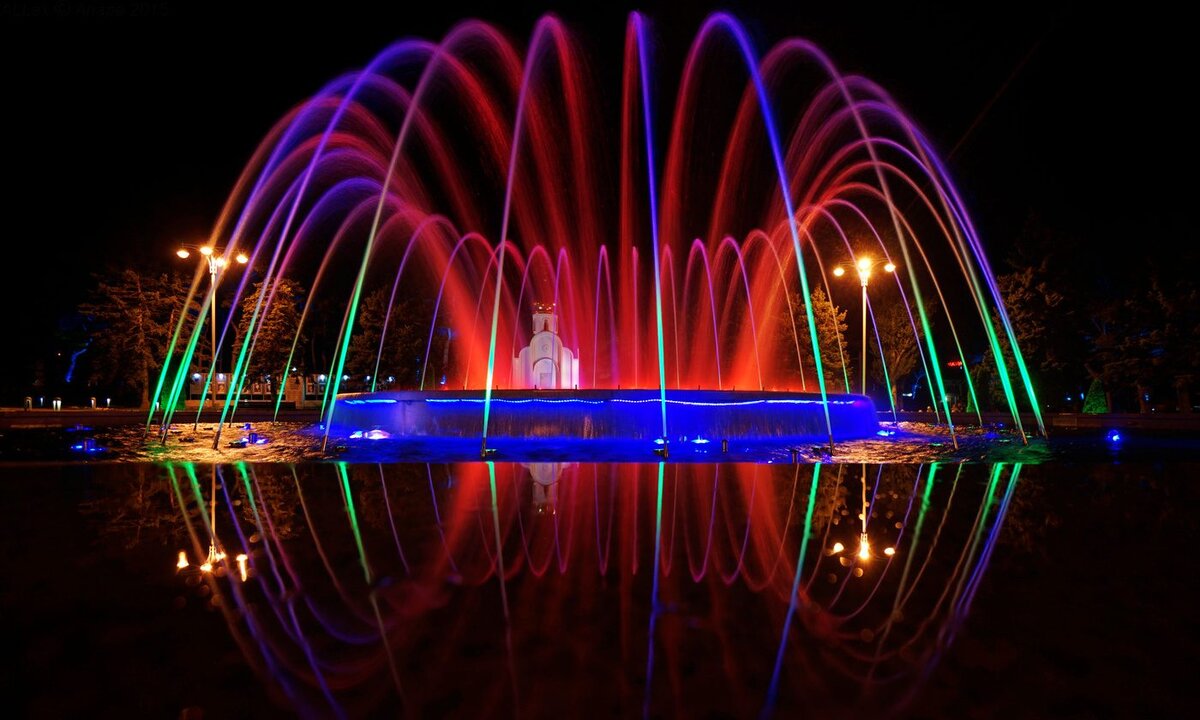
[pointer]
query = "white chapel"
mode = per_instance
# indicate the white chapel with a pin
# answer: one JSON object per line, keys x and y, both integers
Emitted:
{"x": 546, "y": 364}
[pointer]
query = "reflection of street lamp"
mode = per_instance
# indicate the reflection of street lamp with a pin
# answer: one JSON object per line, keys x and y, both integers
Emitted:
{"x": 215, "y": 555}
{"x": 863, "y": 553}
{"x": 864, "y": 266}
{"x": 216, "y": 262}
{"x": 210, "y": 563}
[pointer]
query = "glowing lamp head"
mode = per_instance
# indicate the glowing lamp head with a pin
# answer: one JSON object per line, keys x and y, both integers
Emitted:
{"x": 183, "y": 253}
{"x": 206, "y": 567}
{"x": 242, "y": 259}
{"x": 889, "y": 551}
{"x": 1114, "y": 436}
{"x": 890, "y": 267}
{"x": 206, "y": 250}
{"x": 864, "y": 547}
{"x": 838, "y": 547}
{"x": 241, "y": 563}
{"x": 182, "y": 562}
{"x": 864, "y": 266}
{"x": 839, "y": 271}
{"x": 220, "y": 262}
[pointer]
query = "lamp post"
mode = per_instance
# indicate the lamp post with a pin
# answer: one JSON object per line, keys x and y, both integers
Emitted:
{"x": 215, "y": 256}
{"x": 864, "y": 266}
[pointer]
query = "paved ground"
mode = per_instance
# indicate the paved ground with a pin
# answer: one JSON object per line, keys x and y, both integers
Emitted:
{"x": 1165, "y": 422}
{"x": 15, "y": 418}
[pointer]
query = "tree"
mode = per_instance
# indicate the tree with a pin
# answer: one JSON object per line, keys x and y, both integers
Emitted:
{"x": 1174, "y": 341}
{"x": 1106, "y": 361}
{"x": 1151, "y": 338}
{"x": 1043, "y": 295}
{"x": 136, "y": 508}
{"x": 901, "y": 345}
{"x": 403, "y": 354}
{"x": 831, "y": 339}
{"x": 1095, "y": 402}
{"x": 275, "y": 329}
{"x": 1046, "y": 293}
{"x": 1081, "y": 321}
{"x": 1041, "y": 319}
{"x": 131, "y": 318}
{"x": 1033, "y": 302}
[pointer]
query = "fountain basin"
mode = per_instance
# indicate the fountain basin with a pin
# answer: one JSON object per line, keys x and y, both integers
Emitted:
{"x": 692, "y": 415}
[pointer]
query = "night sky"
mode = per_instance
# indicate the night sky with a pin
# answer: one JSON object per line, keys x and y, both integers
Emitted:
{"x": 122, "y": 136}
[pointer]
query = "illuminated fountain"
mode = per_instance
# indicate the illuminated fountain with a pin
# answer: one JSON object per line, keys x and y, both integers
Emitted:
{"x": 684, "y": 247}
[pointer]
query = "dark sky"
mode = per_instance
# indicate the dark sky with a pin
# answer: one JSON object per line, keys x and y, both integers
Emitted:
{"x": 122, "y": 136}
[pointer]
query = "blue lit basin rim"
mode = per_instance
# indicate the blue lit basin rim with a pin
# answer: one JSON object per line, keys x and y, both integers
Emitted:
{"x": 692, "y": 415}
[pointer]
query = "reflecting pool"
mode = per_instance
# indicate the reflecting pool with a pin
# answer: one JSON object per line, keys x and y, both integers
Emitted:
{"x": 589, "y": 589}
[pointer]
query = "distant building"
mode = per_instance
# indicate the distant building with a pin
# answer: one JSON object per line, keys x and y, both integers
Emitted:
{"x": 546, "y": 364}
{"x": 302, "y": 391}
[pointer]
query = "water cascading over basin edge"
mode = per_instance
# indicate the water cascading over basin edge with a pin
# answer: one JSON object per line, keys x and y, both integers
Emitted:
{"x": 697, "y": 416}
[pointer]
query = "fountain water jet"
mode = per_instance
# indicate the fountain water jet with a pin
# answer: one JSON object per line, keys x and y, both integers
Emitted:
{"x": 397, "y": 176}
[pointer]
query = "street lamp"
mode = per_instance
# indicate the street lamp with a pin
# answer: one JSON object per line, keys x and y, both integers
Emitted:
{"x": 215, "y": 256}
{"x": 864, "y": 266}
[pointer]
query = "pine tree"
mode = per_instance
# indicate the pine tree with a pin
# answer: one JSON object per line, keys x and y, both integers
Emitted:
{"x": 1095, "y": 402}
{"x": 831, "y": 326}
{"x": 274, "y": 332}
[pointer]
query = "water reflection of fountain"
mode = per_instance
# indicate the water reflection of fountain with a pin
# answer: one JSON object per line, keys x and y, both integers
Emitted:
{"x": 384, "y": 587}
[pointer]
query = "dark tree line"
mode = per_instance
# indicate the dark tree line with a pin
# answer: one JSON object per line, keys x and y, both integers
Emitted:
{"x": 126, "y": 325}
{"x": 1098, "y": 333}
{"x": 1125, "y": 328}
{"x": 129, "y": 320}
{"x": 401, "y": 360}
